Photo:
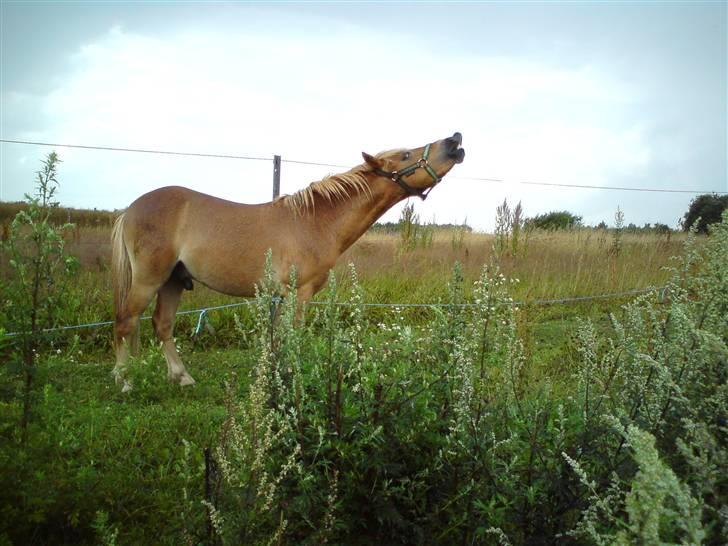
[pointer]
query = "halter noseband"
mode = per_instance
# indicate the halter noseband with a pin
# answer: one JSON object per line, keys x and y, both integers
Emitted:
{"x": 396, "y": 176}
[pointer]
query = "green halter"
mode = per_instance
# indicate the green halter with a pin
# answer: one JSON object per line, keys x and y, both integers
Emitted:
{"x": 396, "y": 176}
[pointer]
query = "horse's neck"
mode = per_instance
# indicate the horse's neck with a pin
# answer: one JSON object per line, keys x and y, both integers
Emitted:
{"x": 348, "y": 219}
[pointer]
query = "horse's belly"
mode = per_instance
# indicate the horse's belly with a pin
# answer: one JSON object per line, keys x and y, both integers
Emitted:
{"x": 233, "y": 277}
{"x": 236, "y": 269}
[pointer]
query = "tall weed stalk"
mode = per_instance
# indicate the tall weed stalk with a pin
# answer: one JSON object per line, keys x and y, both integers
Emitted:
{"x": 33, "y": 294}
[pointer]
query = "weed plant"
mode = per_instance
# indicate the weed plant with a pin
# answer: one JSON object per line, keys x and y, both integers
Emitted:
{"x": 35, "y": 289}
{"x": 414, "y": 234}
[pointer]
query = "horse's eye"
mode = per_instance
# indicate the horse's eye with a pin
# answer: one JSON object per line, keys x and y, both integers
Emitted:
{"x": 405, "y": 156}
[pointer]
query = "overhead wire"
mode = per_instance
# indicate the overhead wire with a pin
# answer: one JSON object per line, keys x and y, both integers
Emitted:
{"x": 139, "y": 150}
{"x": 338, "y": 166}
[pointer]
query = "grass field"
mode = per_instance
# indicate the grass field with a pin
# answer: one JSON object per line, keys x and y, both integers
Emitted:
{"x": 400, "y": 426}
{"x": 550, "y": 265}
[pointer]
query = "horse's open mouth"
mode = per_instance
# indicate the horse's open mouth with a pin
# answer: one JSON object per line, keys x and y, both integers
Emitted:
{"x": 455, "y": 151}
{"x": 458, "y": 155}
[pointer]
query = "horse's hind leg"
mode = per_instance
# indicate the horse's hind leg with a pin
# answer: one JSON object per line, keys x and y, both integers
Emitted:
{"x": 126, "y": 328}
{"x": 168, "y": 298}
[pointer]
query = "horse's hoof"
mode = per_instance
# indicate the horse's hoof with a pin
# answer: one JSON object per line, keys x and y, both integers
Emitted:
{"x": 127, "y": 387}
{"x": 186, "y": 380}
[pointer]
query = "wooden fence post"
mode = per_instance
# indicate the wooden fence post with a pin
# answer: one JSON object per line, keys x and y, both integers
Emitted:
{"x": 276, "y": 176}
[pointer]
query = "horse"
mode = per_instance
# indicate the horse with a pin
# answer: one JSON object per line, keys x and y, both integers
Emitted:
{"x": 172, "y": 236}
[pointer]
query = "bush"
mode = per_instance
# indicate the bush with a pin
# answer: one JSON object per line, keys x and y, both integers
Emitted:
{"x": 555, "y": 220}
{"x": 705, "y": 209}
{"x": 659, "y": 385}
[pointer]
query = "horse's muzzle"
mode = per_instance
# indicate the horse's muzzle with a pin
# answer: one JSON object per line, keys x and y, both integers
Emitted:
{"x": 454, "y": 150}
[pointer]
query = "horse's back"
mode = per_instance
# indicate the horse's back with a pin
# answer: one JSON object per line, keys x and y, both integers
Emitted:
{"x": 171, "y": 207}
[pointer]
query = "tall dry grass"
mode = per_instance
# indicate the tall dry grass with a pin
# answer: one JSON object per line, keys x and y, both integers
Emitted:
{"x": 551, "y": 265}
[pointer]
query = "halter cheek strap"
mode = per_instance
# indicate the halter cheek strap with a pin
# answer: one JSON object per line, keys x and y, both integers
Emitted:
{"x": 422, "y": 163}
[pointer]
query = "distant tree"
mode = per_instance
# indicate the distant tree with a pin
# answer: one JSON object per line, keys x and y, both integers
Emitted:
{"x": 555, "y": 220}
{"x": 708, "y": 207}
{"x": 396, "y": 227}
{"x": 662, "y": 229}
{"x": 602, "y": 225}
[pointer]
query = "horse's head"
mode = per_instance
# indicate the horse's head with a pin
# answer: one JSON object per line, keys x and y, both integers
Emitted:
{"x": 418, "y": 170}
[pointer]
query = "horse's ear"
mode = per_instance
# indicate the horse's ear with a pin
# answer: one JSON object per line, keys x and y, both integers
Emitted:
{"x": 371, "y": 160}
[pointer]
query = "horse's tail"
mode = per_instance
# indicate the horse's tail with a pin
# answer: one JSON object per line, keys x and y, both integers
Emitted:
{"x": 120, "y": 265}
{"x": 121, "y": 279}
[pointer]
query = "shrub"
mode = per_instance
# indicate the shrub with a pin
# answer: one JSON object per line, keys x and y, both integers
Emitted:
{"x": 704, "y": 209}
{"x": 659, "y": 385}
{"x": 555, "y": 220}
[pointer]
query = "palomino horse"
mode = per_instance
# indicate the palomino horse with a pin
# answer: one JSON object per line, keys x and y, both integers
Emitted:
{"x": 171, "y": 236}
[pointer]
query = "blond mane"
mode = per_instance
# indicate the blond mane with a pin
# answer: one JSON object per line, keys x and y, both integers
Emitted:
{"x": 332, "y": 187}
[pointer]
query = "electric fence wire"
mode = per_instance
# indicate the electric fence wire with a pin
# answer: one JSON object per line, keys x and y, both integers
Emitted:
{"x": 205, "y": 310}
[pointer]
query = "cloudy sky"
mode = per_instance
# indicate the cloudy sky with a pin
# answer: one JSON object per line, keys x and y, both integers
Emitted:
{"x": 627, "y": 94}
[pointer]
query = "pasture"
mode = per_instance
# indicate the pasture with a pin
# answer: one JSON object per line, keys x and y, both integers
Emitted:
{"x": 579, "y": 422}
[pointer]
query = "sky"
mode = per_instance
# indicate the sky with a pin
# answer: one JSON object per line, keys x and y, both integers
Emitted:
{"x": 625, "y": 94}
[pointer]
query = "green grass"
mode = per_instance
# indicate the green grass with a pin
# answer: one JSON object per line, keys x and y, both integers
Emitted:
{"x": 107, "y": 451}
